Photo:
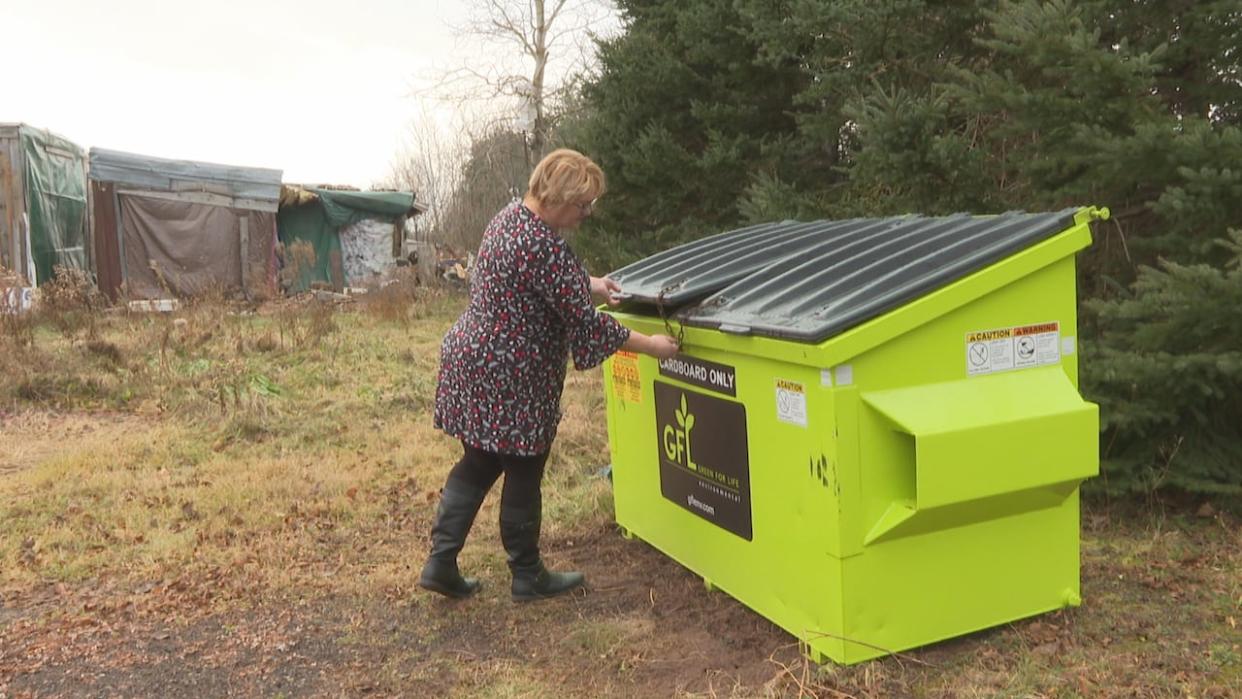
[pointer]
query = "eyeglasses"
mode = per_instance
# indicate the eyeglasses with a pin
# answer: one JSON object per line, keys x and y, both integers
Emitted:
{"x": 586, "y": 208}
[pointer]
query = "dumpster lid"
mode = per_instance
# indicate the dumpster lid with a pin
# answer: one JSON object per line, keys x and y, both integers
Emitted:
{"x": 692, "y": 271}
{"x": 810, "y": 281}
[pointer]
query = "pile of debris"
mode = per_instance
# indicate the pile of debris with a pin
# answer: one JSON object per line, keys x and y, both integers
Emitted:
{"x": 15, "y": 295}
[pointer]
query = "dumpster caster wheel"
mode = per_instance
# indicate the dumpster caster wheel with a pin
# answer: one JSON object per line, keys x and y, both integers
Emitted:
{"x": 627, "y": 534}
{"x": 711, "y": 586}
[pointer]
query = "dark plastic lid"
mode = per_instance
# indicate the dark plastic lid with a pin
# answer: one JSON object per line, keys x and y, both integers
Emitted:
{"x": 810, "y": 281}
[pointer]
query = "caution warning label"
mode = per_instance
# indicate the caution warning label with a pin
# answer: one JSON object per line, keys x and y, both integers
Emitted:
{"x": 627, "y": 383}
{"x": 791, "y": 402}
{"x": 1019, "y": 347}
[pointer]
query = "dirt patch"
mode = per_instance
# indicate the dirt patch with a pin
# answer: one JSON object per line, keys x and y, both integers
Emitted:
{"x": 646, "y": 626}
{"x": 118, "y": 650}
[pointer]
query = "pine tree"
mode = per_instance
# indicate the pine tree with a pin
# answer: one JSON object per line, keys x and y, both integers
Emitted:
{"x": 1060, "y": 109}
{"x": 682, "y": 117}
{"x": 850, "y": 50}
{"x": 1166, "y": 370}
{"x": 711, "y": 113}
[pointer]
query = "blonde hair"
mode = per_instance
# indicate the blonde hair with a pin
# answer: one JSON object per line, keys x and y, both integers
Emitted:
{"x": 565, "y": 176}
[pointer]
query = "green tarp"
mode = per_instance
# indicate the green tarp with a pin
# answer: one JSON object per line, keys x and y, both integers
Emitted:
{"x": 345, "y": 208}
{"x": 55, "y": 200}
{"x": 305, "y": 226}
{"x": 318, "y": 224}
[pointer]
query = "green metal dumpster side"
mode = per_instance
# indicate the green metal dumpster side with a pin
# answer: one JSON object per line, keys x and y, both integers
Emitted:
{"x": 883, "y": 488}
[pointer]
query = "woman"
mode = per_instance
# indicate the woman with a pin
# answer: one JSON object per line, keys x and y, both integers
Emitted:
{"x": 502, "y": 368}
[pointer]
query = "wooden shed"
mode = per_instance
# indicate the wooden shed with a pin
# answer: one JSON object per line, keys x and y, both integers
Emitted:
{"x": 177, "y": 228}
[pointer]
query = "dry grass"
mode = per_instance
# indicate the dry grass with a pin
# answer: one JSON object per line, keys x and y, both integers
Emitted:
{"x": 252, "y": 488}
{"x": 400, "y": 300}
{"x": 264, "y": 433}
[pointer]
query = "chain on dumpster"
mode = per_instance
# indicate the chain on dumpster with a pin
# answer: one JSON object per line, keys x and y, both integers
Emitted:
{"x": 680, "y": 334}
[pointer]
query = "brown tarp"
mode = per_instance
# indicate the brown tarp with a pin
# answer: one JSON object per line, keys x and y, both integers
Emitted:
{"x": 182, "y": 248}
{"x": 107, "y": 250}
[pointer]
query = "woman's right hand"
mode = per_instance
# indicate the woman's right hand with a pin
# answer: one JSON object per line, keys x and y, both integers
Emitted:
{"x": 662, "y": 346}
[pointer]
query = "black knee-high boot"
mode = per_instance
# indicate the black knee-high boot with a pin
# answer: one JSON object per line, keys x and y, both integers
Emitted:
{"x": 459, "y": 503}
{"x": 519, "y": 530}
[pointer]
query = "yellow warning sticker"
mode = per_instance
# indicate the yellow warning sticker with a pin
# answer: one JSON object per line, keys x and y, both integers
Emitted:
{"x": 791, "y": 402}
{"x": 626, "y": 380}
{"x": 1019, "y": 347}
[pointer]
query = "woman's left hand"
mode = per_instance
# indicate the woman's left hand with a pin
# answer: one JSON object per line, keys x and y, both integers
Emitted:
{"x": 604, "y": 288}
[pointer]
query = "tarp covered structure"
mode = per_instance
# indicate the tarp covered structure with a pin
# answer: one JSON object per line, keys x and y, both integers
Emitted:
{"x": 180, "y": 228}
{"x": 340, "y": 238}
{"x": 42, "y": 203}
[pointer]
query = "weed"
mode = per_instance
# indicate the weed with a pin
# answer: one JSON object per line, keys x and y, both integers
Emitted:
{"x": 16, "y": 328}
{"x": 321, "y": 324}
{"x": 267, "y": 342}
{"x": 303, "y": 323}
{"x": 70, "y": 302}
{"x": 396, "y": 301}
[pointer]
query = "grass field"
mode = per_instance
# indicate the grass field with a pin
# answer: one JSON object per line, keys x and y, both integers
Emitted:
{"x": 231, "y": 500}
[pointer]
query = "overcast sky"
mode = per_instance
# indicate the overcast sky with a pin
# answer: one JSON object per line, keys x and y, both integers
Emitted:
{"x": 321, "y": 90}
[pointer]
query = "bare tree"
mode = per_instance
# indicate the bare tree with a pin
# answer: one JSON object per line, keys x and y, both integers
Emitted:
{"x": 532, "y": 47}
{"x": 430, "y": 166}
{"x": 464, "y": 172}
{"x": 493, "y": 172}
{"x": 505, "y": 98}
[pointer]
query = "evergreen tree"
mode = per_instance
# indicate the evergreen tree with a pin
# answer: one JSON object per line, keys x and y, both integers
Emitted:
{"x": 1056, "y": 111}
{"x": 711, "y": 113}
{"x": 1166, "y": 370}
{"x": 1062, "y": 109}
{"x": 683, "y": 117}
{"x": 849, "y": 50}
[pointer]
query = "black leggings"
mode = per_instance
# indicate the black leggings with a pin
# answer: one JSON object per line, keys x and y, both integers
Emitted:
{"x": 523, "y": 475}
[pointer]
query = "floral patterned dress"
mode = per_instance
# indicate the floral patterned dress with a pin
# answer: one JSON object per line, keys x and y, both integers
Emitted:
{"x": 503, "y": 363}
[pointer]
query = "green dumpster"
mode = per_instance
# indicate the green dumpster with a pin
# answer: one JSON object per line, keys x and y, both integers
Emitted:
{"x": 873, "y": 434}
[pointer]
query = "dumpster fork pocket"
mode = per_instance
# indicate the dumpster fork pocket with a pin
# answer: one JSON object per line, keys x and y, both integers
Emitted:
{"x": 984, "y": 448}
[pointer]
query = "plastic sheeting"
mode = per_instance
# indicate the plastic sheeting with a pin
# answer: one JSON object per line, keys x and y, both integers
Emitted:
{"x": 43, "y": 202}
{"x": 56, "y": 200}
{"x": 366, "y": 248}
